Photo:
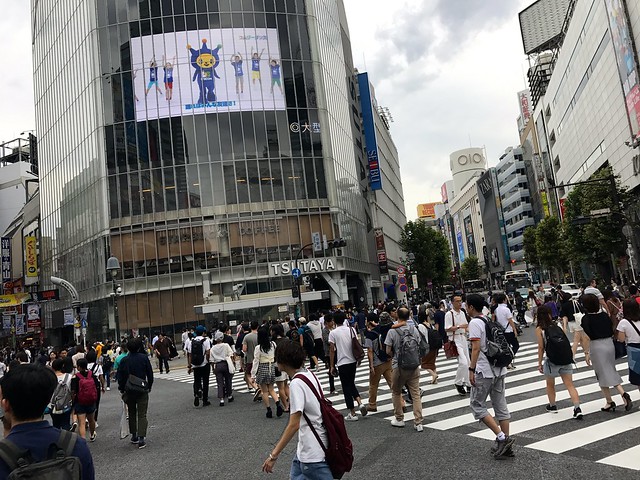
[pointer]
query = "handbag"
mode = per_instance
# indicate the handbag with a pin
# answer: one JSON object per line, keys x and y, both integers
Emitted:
{"x": 450, "y": 349}
{"x": 356, "y": 346}
{"x": 136, "y": 385}
{"x": 577, "y": 313}
{"x": 620, "y": 348}
{"x": 231, "y": 365}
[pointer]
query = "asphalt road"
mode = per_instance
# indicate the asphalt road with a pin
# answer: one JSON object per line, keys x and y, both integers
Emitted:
{"x": 231, "y": 442}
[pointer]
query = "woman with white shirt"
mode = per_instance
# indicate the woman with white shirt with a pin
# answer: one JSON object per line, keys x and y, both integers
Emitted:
{"x": 629, "y": 332}
{"x": 264, "y": 370}
{"x": 218, "y": 356}
{"x": 456, "y": 325}
{"x": 309, "y": 461}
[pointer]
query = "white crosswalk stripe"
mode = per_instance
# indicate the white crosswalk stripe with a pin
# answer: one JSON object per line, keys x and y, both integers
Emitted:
{"x": 444, "y": 409}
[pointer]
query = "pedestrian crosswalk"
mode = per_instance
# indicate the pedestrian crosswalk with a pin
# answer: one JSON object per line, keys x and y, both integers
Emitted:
{"x": 605, "y": 437}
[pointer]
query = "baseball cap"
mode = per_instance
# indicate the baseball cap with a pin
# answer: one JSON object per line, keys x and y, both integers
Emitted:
{"x": 200, "y": 329}
{"x": 218, "y": 336}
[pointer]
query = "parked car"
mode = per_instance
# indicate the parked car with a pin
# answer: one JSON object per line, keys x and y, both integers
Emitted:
{"x": 571, "y": 288}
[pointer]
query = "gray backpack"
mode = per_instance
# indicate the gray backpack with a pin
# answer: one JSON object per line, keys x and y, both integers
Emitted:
{"x": 60, "y": 464}
{"x": 409, "y": 351}
{"x": 62, "y": 399}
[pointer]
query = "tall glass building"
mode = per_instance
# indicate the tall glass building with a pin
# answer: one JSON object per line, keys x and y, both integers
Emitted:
{"x": 194, "y": 136}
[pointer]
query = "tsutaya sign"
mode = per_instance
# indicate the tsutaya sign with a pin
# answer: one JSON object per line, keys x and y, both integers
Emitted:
{"x": 307, "y": 265}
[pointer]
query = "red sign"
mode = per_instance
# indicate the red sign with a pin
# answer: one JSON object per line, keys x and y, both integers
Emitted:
{"x": 562, "y": 208}
{"x": 382, "y": 257}
{"x": 34, "y": 323}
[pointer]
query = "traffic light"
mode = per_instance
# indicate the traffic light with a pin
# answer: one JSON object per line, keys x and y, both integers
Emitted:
{"x": 295, "y": 291}
{"x": 336, "y": 243}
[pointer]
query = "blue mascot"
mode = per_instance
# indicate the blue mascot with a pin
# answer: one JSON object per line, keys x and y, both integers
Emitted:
{"x": 205, "y": 61}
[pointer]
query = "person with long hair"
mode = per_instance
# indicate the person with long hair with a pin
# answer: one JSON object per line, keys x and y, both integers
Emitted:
{"x": 277, "y": 335}
{"x": 629, "y": 332}
{"x": 599, "y": 327}
{"x": 551, "y": 371}
{"x": 85, "y": 403}
{"x": 264, "y": 370}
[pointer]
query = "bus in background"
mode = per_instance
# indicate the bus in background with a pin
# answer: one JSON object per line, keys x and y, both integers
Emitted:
{"x": 517, "y": 280}
{"x": 474, "y": 286}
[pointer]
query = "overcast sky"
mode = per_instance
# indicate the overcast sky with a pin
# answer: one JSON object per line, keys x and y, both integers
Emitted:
{"x": 448, "y": 70}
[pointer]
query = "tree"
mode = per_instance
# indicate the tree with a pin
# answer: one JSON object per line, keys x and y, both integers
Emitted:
{"x": 470, "y": 268}
{"x": 550, "y": 245}
{"x": 431, "y": 250}
{"x": 601, "y": 236}
{"x": 529, "y": 244}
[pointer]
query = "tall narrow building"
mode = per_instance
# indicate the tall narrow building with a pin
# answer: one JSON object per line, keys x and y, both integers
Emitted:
{"x": 191, "y": 136}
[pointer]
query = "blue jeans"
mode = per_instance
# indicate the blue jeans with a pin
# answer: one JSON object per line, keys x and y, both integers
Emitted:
{"x": 310, "y": 471}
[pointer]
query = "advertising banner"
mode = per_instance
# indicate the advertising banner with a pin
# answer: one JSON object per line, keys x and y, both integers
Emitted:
{"x": 14, "y": 299}
{"x": 468, "y": 231}
{"x": 458, "y": 231}
{"x": 6, "y": 259}
{"x": 427, "y": 210}
{"x": 69, "y": 320}
{"x": 207, "y": 71}
{"x": 20, "y": 329}
{"x": 31, "y": 256}
{"x": 368, "y": 123}
{"x": 381, "y": 251}
{"x": 33, "y": 316}
{"x": 625, "y": 58}
{"x": 488, "y": 197}
{"x": 6, "y": 322}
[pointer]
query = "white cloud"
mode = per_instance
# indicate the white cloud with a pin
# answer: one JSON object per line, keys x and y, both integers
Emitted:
{"x": 448, "y": 70}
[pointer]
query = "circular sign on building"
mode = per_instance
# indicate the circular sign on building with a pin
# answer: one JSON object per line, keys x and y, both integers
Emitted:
{"x": 403, "y": 288}
{"x": 296, "y": 273}
{"x": 402, "y": 270}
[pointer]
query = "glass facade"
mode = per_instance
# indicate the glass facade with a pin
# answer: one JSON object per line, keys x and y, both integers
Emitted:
{"x": 214, "y": 190}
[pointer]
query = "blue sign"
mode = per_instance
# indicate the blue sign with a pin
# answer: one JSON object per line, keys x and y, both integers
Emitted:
{"x": 296, "y": 273}
{"x": 6, "y": 259}
{"x": 375, "y": 176}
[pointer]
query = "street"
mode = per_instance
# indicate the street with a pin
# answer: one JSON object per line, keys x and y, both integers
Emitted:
{"x": 231, "y": 442}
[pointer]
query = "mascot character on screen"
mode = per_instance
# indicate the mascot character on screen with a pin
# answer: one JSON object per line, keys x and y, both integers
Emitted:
{"x": 205, "y": 61}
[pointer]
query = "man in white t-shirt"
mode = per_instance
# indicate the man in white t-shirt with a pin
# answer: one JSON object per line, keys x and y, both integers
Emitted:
{"x": 198, "y": 352}
{"x": 487, "y": 382}
{"x": 305, "y": 417}
{"x": 592, "y": 289}
{"x": 341, "y": 339}
{"x": 504, "y": 316}
{"x": 455, "y": 324}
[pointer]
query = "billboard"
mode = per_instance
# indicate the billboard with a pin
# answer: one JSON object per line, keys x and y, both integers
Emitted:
{"x": 207, "y": 71}
{"x": 456, "y": 221}
{"x": 492, "y": 222}
{"x": 541, "y": 24}
{"x": 381, "y": 251}
{"x": 427, "y": 210}
{"x": 368, "y": 124}
{"x": 468, "y": 231}
{"x": 524, "y": 102}
{"x": 31, "y": 256}
{"x": 626, "y": 60}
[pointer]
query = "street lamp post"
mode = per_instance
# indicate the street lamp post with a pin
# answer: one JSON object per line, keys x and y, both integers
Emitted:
{"x": 113, "y": 267}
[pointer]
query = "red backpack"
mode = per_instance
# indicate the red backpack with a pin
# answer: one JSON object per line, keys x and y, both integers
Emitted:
{"x": 339, "y": 454}
{"x": 87, "y": 390}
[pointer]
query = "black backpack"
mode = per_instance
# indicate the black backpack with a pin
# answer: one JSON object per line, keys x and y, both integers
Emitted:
{"x": 106, "y": 362}
{"x": 434, "y": 338}
{"x": 557, "y": 346}
{"x": 499, "y": 352}
{"x": 60, "y": 464}
{"x": 197, "y": 352}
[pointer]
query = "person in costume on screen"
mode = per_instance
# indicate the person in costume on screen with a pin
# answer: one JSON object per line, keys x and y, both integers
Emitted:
{"x": 276, "y": 78}
{"x": 168, "y": 77}
{"x": 153, "y": 77}
{"x": 204, "y": 62}
{"x": 255, "y": 66}
{"x": 236, "y": 62}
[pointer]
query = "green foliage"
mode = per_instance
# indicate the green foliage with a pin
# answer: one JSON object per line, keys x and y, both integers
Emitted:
{"x": 601, "y": 237}
{"x": 431, "y": 251}
{"x": 550, "y": 244}
{"x": 529, "y": 244}
{"x": 470, "y": 268}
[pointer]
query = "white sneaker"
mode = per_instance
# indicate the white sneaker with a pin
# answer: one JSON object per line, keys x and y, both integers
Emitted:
{"x": 351, "y": 418}
{"x": 397, "y": 423}
{"x": 108, "y": 389}
{"x": 418, "y": 428}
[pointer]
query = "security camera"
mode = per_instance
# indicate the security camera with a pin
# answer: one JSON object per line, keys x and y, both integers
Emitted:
{"x": 118, "y": 290}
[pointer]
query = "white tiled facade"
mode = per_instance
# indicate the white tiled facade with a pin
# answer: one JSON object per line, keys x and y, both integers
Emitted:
{"x": 584, "y": 106}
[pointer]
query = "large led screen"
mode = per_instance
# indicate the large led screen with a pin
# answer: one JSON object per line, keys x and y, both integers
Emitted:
{"x": 207, "y": 71}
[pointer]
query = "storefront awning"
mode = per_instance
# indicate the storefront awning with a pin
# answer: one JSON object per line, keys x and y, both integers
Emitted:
{"x": 14, "y": 299}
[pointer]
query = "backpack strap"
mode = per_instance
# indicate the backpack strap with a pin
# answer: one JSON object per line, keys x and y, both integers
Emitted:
{"x": 315, "y": 392}
{"x": 634, "y": 326}
{"x": 67, "y": 442}
{"x": 11, "y": 454}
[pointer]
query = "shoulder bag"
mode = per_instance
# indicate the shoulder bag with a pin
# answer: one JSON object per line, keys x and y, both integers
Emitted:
{"x": 450, "y": 349}
{"x": 136, "y": 385}
{"x": 577, "y": 313}
{"x": 356, "y": 346}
